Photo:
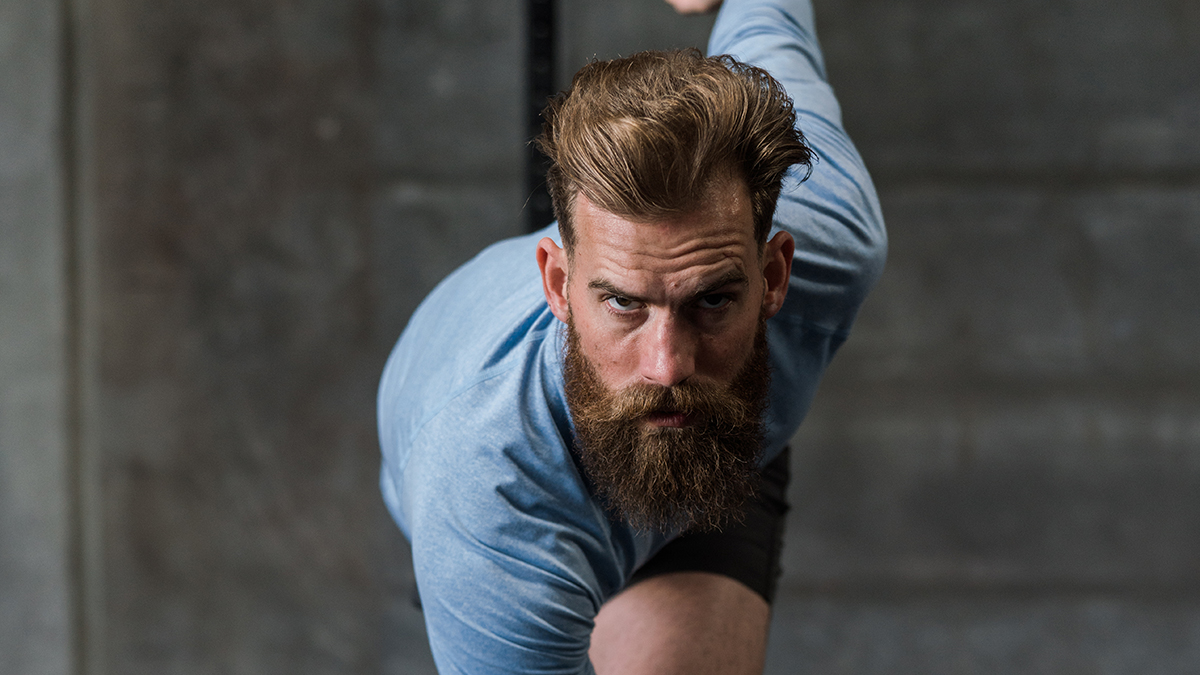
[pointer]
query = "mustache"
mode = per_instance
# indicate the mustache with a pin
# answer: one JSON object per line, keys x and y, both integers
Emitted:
{"x": 711, "y": 403}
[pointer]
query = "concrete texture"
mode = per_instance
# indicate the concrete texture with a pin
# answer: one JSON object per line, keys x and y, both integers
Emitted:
{"x": 1025, "y": 489}
{"x": 1080, "y": 287}
{"x": 935, "y": 634}
{"x": 232, "y": 165}
{"x": 450, "y": 91}
{"x": 36, "y": 627}
{"x": 597, "y": 31}
{"x": 1018, "y": 89}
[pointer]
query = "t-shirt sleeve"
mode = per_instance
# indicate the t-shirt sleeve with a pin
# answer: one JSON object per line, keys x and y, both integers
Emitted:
{"x": 834, "y": 216}
{"x": 506, "y": 561}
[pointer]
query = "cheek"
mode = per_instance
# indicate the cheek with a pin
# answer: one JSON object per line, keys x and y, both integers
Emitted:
{"x": 725, "y": 353}
{"x": 605, "y": 350}
{"x": 613, "y": 361}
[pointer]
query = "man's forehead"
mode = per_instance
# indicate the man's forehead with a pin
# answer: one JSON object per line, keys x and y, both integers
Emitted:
{"x": 724, "y": 216}
{"x": 682, "y": 254}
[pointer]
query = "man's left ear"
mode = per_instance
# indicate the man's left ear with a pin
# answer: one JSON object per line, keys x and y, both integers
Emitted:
{"x": 777, "y": 269}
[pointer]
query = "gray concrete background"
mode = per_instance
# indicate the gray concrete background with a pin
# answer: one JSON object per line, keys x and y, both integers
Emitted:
{"x": 35, "y": 590}
{"x": 215, "y": 219}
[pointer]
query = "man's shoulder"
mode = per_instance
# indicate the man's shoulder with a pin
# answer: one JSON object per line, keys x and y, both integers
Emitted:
{"x": 486, "y": 301}
{"x": 488, "y": 475}
{"x": 476, "y": 376}
{"x": 485, "y": 319}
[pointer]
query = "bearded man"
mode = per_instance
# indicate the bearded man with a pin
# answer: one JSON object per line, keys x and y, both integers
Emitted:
{"x": 584, "y": 437}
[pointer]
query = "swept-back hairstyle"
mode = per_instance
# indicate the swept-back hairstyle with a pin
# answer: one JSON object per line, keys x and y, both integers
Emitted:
{"x": 645, "y": 136}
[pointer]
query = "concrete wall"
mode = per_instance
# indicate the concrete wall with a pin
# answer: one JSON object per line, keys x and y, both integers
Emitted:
{"x": 1000, "y": 472}
{"x": 36, "y": 626}
{"x": 217, "y": 217}
{"x": 230, "y": 179}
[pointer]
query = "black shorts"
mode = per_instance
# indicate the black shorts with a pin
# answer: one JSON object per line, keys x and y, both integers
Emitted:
{"x": 747, "y": 551}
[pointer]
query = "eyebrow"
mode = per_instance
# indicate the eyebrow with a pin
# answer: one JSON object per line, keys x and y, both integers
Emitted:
{"x": 731, "y": 277}
{"x": 607, "y": 287}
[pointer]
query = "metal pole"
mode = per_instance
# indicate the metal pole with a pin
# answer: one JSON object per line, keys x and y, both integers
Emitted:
{"x": 540, "y": 87}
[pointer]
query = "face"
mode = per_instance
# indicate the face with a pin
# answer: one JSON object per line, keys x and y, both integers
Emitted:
{"x": 668, "y": 301}
{"x": 666, "y": 363}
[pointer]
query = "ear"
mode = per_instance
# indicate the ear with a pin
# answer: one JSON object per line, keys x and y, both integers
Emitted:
{"x": 777, "y": 270}
{"x": 552, "y": 261}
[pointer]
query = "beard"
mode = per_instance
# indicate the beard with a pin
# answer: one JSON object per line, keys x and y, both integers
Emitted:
{"x": 698, "y": 476}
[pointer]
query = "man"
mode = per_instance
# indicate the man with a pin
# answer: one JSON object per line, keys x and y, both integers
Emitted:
{"x": 584, "y": 438}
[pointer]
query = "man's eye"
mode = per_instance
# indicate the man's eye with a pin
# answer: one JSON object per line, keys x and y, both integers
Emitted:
{"x": 623, "y": 304}
{"x": 713, "y": 301}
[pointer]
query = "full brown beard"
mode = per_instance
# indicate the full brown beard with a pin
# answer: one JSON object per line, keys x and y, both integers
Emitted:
{"x": 670, "y": 478}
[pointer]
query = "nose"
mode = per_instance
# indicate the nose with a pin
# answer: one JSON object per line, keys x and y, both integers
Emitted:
{"x": 668, "y": 351}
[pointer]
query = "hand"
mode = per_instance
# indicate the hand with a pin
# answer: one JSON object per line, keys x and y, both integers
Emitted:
{"x": 694, "y": 6}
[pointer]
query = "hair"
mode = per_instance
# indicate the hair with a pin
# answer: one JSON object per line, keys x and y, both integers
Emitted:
{"x": 646, "y": 136}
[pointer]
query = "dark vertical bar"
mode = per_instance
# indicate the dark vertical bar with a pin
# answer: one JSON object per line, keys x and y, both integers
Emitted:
{"x": 540, "y": 87}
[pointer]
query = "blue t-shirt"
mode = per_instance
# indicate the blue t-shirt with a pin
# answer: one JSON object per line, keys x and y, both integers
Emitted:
{"x": 513, "y": 554}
